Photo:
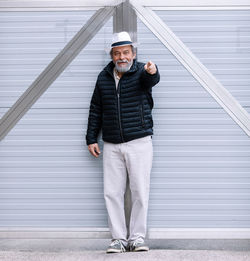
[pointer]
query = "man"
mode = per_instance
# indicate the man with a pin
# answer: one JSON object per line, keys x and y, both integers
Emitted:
{"x": 121, "y": 106}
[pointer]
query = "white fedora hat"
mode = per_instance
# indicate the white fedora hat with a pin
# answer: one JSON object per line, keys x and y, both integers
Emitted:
{"x": 121, "y": 39}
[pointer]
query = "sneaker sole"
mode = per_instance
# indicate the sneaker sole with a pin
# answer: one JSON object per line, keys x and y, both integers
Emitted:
{"x": 114, "y": 251}
{"x": 138, "y": 249}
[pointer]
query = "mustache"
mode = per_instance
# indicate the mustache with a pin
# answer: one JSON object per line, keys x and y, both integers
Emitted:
{"x": 122, "y": 61}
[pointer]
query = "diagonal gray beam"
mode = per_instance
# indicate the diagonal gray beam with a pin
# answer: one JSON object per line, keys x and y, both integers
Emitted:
{"x": 54, "y": 69}
{"x": 194, "y": 66}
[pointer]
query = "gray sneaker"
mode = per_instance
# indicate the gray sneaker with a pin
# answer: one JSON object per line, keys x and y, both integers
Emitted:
{"x": 138, "y": 245}
{"x": 116, "y": 246}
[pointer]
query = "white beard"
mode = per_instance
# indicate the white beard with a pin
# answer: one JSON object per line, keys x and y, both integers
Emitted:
{"x": 123, "y": 68}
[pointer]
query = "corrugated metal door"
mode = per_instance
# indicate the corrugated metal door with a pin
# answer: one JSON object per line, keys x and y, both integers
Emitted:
{"x": 201, "y": 168}
{"x": 47, "y": 176}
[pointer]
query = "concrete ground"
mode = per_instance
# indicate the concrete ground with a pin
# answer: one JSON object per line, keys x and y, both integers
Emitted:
{"x": 94, "y": 249}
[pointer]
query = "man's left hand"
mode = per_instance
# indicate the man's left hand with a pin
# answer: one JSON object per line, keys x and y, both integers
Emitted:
{"x": 150, "y": 67}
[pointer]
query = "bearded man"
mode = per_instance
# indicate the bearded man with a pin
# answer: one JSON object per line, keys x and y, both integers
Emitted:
{"x": 121, "y": 107}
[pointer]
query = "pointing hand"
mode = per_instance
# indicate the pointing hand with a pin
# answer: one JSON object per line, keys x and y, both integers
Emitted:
{"x": 150, "y": 67}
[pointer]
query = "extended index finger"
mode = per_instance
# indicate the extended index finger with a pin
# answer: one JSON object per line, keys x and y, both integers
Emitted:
{"x": 149, "y": 63}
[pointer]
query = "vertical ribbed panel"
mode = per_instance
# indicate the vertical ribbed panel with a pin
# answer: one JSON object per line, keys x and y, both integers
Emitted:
{"x": 201, "y": 169}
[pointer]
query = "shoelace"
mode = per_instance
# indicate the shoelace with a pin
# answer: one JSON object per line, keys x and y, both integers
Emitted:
{"x": 118, "y": 242}
{"x": 138, "y": 241}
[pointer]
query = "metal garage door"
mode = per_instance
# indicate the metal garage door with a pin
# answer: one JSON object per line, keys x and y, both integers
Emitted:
{"x": 201, "y": 168}
{"x": 48, "y": 178}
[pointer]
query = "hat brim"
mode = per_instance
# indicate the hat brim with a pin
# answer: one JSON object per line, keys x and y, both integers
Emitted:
{"x": 108, "y": 49}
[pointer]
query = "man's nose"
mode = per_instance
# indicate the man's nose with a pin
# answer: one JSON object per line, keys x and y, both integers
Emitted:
{"x": 122, "y": 56}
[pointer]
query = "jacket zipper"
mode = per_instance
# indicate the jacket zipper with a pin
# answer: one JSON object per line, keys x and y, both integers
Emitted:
{"x": 119, "y": 110}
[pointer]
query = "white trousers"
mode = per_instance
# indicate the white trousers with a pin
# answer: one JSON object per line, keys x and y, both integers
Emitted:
{"x": 135, "y": 159}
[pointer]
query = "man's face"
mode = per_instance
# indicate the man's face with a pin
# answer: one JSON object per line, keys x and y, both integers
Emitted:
{"x": 122, "y": 57}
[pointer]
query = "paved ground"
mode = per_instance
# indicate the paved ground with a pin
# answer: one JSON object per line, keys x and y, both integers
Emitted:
{"x": 94, "y": 250}
{"x": 152, "y": 255}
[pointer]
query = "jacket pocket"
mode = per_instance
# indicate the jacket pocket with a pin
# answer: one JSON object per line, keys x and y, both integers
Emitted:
{"x": 142, "y": 115}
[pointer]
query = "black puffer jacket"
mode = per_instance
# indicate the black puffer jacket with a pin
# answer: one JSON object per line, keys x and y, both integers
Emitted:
{"x": 124, "y": 113}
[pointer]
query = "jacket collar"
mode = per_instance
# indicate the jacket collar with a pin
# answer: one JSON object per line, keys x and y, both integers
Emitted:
{"x": 109, "y": 68}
